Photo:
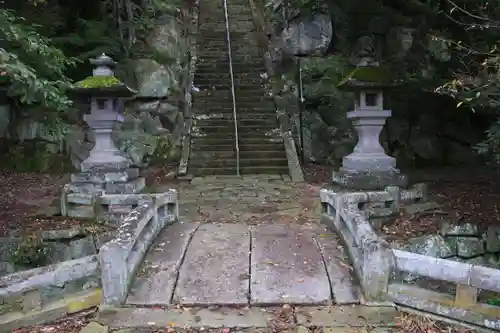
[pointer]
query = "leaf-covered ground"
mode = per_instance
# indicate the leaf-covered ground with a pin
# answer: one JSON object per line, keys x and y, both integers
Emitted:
{"x": 24, "y": 201}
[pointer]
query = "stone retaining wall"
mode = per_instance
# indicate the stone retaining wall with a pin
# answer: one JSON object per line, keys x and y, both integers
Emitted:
{"x": 460, "y": 242}
{"x": 47, "y": 293}
{"x": 58, "y": 245}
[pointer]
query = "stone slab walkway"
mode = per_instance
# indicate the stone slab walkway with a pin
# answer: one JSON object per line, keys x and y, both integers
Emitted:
{"x": 253, "y": 199}
{"x": 193, "y": 264}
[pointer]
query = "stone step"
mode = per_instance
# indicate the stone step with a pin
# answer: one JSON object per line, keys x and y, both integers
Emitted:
{"x": 257, "y": 94}
{"x": 278, "y": 170}
{"x": 225, "y": 83}
{"x": 220, "y": 18}
{"x": 218, "y": 33}
{"x": 236, "y": 51}
{"x": 219, "y": 56}
{"x": 268, "y": 114}
{"x": 231, "y": 162}
{"x": 230, "y": 145}
{"x": 214, "y": 102}
{"x": 237, "y": 72}
{"x": 228, "y": 128}
{"x": 242, "y": 93}
{"x": 240, "y": 67}
{"x": 231, "y": 154}
{"x": 258, "y": 133}
{"x": 249, "y": 87}
{"x": 264, "y": 122}
{"x": 217, "y": 106}
{"x": 226, "y": 76}
{"x": 227, "y": 140}
{"x": 241, "y": 112}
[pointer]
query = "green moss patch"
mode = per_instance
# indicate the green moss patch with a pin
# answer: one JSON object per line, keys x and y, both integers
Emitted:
{"x": 379, "y": 76}
{"x": 99, "y": 82}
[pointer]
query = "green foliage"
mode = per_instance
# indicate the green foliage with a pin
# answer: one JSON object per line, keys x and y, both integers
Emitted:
{"x": 34, "y": 67}
{"x": 494, "y": 301}
{"x": 30, "y": 253}
{"x": 90, "y": 38}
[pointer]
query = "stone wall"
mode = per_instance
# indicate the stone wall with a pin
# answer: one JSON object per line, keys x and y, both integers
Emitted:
{"x": 57, "y": 246}
{"x": 48, "y": 293}
{"x": 463, "y": 243}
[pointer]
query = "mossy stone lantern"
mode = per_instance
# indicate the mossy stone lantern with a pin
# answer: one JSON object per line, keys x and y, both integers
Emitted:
{"x": 368, "y": 166}
{"x": 105, "y": 92}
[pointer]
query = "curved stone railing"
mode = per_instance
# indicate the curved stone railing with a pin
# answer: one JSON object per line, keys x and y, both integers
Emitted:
{"x": 120, "y": 257}
{"x": 464, "y": 305}
{"x": 371, "y": 256}
{"x": 378, "y": 267}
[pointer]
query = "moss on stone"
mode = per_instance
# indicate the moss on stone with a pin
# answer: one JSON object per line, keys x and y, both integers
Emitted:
{"x": 99, "y": 82}
{"x": 380, "y": 76}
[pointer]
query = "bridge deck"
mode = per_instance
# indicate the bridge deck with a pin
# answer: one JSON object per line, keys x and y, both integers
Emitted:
{"x": 236, "y": 264}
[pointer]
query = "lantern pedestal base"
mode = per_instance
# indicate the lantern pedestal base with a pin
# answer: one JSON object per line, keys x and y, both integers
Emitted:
{"x": 369, "y": 180}
{"x": 80, "y": 198}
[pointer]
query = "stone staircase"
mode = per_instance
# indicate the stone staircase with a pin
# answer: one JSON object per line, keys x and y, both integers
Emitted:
{"x": 213, "y": 144}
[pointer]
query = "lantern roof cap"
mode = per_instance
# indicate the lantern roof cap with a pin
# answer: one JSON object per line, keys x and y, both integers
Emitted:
{"x": 103, "y": 82}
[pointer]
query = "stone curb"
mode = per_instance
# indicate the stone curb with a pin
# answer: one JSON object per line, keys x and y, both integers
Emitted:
{"x": 335, "y": 317}
{"x": 51, "y": 312}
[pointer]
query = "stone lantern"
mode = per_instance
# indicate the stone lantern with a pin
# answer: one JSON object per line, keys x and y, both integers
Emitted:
{"x": 368, "y": 167}
{"x": 104, "y": 91}
{"x": 105, "y": 170}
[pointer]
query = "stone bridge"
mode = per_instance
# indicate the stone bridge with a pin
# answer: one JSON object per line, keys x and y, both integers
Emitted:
{"x": 230, "y": 265}
{"x": 236, "y": 264}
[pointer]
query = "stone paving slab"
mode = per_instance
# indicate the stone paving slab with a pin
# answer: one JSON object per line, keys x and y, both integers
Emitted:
{"x": 344, "y": 289}
{"x": 156, "y": 279}
{"x": 286, "y": 267}
{"x": 215, "y": 268}
{"x": 339, "y": 316}
{"x": 179, "y": 318}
